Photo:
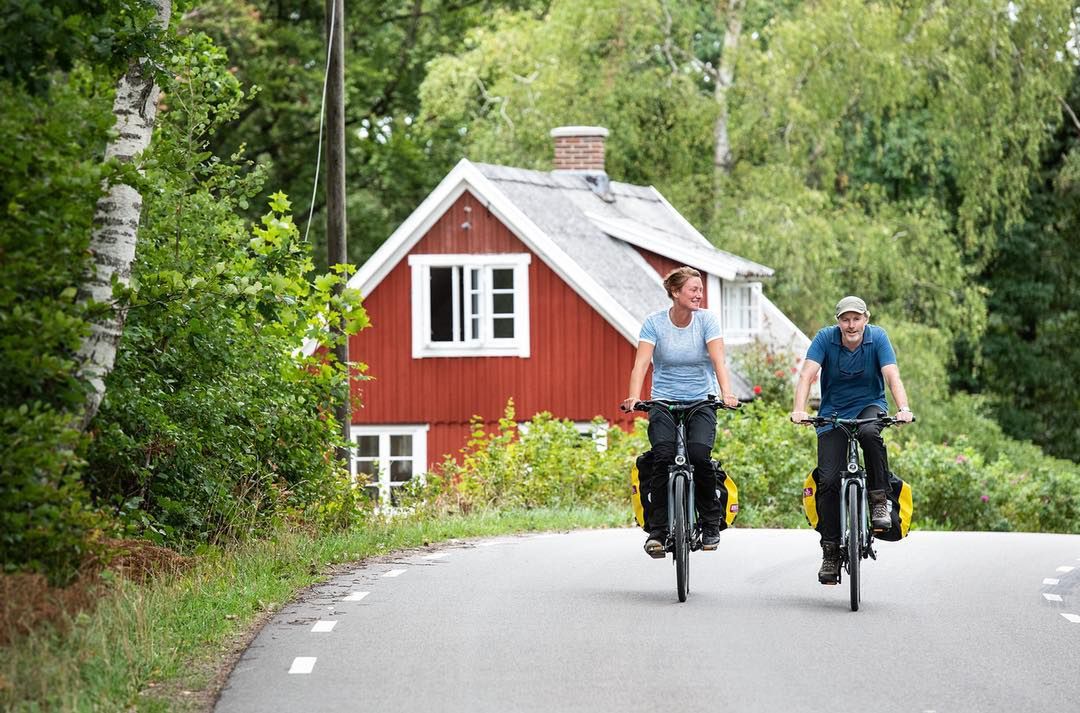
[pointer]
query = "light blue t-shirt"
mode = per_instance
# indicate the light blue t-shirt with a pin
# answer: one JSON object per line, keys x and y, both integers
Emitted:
{"x": 682, "y": 370}
{"x": 851, "y": 380}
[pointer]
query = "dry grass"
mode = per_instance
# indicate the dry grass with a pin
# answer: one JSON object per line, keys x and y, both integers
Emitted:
{"x": 28, "y": 601}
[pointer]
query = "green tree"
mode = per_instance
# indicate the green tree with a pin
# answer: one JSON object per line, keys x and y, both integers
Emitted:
{"x": 59, "y": 62}
{"x": 1030, "y": 352}
{"x": 212, "y": 425}
{"x": 279, "y": 48}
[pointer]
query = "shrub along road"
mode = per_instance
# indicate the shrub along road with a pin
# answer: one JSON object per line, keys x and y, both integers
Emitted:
{"x": 585, "y": 621}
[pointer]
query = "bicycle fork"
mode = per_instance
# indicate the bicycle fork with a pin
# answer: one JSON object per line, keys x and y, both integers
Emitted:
{"x": 857, "y": 481}
{"x": 681, "y": 470}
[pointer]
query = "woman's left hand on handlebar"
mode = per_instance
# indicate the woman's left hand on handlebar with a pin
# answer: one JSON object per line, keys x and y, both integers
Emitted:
{"x": 731, "y": 400}
{"x": 628, "y": 404}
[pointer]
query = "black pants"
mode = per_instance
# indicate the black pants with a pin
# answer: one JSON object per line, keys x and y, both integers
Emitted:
{"x": 832, "y": 464}
{"x": 700, "y": 436}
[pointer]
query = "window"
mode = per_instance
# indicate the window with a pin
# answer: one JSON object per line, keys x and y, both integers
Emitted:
{"x": 470, "y": 305}
{"x": 740, "y": 309}
{"x": 388, "y": 457}
{"x": 592, "y": 432}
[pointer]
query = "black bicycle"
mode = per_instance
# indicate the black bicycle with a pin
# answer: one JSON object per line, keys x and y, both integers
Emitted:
{"x": 856, "y": 535}
{"x": 684, "y": 531}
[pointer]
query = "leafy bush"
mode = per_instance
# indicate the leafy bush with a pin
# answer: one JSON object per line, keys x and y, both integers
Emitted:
{"x": 547, "y": 463}
{"x": 771, "y": 373}
{"x": 769, "y": 458}
{"x": 48, "y": 186}
{"x": 955, "y": 486}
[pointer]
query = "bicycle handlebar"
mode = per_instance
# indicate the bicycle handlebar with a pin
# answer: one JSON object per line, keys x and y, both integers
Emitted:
{"x": 854, "y": 422}
{"x": 682, "y": 405}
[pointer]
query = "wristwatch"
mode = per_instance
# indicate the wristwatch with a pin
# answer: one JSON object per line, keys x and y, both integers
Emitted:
{"x": 903, "y": 408}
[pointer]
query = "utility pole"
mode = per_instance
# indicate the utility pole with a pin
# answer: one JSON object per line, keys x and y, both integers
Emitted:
{"x": 336, "y": 240}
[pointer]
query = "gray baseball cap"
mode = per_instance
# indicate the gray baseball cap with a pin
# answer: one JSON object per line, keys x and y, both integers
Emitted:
{"x": 851, "y": 303}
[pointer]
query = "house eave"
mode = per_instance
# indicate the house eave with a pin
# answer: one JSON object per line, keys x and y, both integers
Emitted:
{"x": 465, "y": 176}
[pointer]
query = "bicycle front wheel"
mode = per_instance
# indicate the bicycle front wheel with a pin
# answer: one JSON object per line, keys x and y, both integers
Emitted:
{"x": 682, "y": 540}
{"x": 855, "y": 517}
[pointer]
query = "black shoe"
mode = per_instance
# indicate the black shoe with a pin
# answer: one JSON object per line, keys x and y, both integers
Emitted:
{"x": 880, "y": 519}
{"x": 654, "y": 544}
{"x": 710, "y": 537}
{"x": 830, "y": 563}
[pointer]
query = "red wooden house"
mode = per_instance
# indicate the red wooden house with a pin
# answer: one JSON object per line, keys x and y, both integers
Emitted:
{"x": 532, "y": 285}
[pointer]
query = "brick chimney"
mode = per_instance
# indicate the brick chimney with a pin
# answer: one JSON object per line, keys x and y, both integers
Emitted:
{"x": 579, "y": 148}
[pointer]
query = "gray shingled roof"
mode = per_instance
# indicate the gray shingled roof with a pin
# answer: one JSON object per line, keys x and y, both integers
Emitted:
{"x": 558, "y": 202}
{"x": 549, "y": 201}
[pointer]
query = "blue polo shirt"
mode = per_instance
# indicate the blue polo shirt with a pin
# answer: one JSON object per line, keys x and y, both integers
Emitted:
{"x": 851, "y": 380}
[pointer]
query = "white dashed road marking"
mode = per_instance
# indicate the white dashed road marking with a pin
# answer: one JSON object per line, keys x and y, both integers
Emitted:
{"x": 435, "y": 556}
{"x": 323, "y": 626}
{"x": 1051, "y": 580}
{"x": 1052, "y": 597}
{"x": 356, "y": 596}
{"x": 302, "y": 664}
{"x": 1074, "y": 618}
{"x": 394, "y": 573}
{"x": 1065, "y": 568}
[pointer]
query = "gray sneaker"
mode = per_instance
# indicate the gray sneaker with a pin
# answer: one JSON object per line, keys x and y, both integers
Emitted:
{"x": 654, "y": 545}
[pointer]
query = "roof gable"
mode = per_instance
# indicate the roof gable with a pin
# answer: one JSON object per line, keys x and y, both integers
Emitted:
{"x": 589, "y": 242}
{"x": 466, "y": 176}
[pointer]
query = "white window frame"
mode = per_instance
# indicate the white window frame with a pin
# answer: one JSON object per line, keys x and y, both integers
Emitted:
{"x": 384, "y": 459}
{"x": 482, "y": 344}
{"x": 740, "y": 318}
{"x": 598, "y": 432}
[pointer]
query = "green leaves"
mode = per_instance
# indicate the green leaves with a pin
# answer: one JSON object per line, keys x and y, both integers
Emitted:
{"x": 279, "y": 203}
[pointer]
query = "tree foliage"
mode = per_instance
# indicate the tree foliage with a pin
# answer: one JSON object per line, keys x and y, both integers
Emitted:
{"x": 278, "y": 48}
{"x": 880, "y": 148}
{"x": 214, "y": 425}
{"x": 1029, "y": 352}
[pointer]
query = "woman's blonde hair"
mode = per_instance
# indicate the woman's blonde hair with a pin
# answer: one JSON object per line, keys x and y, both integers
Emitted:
{"x": 675, "y": 279}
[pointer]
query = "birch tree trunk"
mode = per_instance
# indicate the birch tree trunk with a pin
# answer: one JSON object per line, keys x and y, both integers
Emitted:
{"x": 116, "y": 224}
{"x": 725, "y": 76}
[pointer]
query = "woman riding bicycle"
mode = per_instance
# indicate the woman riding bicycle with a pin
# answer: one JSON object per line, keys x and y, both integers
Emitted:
{"x": 685, "y": 346}
{"x": 855, "y": 359}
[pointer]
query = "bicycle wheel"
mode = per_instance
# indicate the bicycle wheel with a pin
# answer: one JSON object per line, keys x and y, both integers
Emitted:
{"x": 854, "y": 549}
{"x": 682, "y": 540}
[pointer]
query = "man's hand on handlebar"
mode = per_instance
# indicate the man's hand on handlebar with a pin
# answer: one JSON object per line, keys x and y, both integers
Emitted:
{"x": 800, "y": 418}
{"x": 904, "y": 416}
{"x": 628, "y": 404}
{"x": 731, "y": 400}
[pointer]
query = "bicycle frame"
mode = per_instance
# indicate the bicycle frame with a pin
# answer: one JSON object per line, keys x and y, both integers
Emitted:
{"x": 682, "y": 469}
{"x": 855, "y": 478}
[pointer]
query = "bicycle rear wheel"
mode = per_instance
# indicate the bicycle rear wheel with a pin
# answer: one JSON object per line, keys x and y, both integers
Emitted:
{"x": 682, "y": 540}
{"x": 854, "y": 549}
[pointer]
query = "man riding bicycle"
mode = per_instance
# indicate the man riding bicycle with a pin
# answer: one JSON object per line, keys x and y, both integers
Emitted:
{"x": 855, "y": 360}
{"x": 685, "y": 346}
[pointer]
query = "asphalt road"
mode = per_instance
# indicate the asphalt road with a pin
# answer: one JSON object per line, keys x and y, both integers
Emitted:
{"x": 585, "y": 621}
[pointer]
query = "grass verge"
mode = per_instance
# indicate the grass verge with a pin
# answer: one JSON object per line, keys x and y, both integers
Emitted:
{"x": 167, "y": 644}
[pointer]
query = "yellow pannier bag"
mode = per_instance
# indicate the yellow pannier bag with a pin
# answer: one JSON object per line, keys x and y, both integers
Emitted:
{"x": 900, "y": 506}
{"x": 726, "y": 489}
{"x": 635, "y": 493}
